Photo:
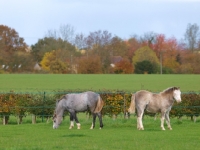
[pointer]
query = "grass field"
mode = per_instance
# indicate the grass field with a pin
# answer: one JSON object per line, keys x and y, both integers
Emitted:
{"x": 119, "y": 134}
{"x": 130, "y": 83}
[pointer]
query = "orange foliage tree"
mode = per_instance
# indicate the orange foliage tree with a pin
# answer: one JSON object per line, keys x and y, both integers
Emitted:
{"x": 190, "y": 62}
{"x": 89, "y": 65}
{"x": 170, "y": 54}
{"x": 168, "y": 51}
{"x": 123, "y": 67}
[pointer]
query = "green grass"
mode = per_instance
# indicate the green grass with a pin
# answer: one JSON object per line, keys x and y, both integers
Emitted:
{"x": 130, "y": 83}
{"x": 117, "y": 134}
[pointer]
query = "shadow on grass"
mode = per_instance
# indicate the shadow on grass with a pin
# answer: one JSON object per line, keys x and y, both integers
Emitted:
{"x": 74, "y": 135}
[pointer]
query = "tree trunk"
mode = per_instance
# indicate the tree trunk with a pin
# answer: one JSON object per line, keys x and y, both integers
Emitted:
{"x": 192, "y": 118}
{"x": 180, "y": 118}
{"x": 33, "y": 119}
{"x": 19, "y": 119}
{"x": 48, "y": 118}
{"x": 5, "y": 120}
{"x": 195, "y": 118}
{"x": 114, "y": 117}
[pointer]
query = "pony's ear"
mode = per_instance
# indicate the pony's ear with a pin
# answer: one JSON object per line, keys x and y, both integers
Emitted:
{"x": 64, "y": 97}
{"x": 176, "y": 88}
{"x": 54, "y": 116}
{"x": 57, "y": 100}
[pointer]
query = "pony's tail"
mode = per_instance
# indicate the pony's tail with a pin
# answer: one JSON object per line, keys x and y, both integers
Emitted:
{"x": 131, "y": 109}
{"x": 99, "y": 105}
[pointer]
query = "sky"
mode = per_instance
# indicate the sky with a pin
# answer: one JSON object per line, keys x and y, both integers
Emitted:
{"x": 32, "y": 19}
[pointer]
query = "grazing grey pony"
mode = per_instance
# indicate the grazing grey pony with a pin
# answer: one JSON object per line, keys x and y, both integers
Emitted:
{"x": 154, "y": 103}
{"x": 81, "y": 102}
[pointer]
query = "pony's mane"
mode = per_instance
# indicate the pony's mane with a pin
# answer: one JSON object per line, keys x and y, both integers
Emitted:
{"x": 62, "y": 97}
{"x": 170, "y": 90}
{"x": 57, "y": 101}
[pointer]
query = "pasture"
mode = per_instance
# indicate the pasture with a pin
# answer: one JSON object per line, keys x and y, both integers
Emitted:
{"x": 117, "y": 134}
{"x": 128, "y": 82}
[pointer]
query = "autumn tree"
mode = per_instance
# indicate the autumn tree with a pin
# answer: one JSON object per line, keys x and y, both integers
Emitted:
{"x": 123, "y": 67}
{"x": 96, "y": 43}
{"x": 132, "y": 45}
{"x": 48, "y": 44}
{"x": 10, "y": 40}
{"x": 118, "y": 47}
{"x": 171, "y": 54}
{"x": 57, "y": 67}
{"x": 51, "y": 62}
{"x": 89, "y": 65}
{"x": 189, "y": 63}
{"x": 14, "y": 53}
{"x": 159, "y": 45}
{"x": 145, "y": 53}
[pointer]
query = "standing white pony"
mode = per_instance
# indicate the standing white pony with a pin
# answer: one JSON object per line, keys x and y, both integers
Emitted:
{"x": 154, "y": 103}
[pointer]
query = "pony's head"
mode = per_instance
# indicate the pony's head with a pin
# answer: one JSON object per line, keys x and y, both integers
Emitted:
{"x": 56, "y": 121}
{"x": 177, "y": 94}
{"x": 58, "y": 113}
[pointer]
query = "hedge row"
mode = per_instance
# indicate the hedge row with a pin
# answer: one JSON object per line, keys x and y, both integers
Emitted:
{"x": 42, "y": 104}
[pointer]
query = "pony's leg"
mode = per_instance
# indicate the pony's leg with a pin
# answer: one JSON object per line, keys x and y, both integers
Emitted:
{"x": 77, "y": 122}
{"x": 71, "y": 121}
{"x": 139, "y": 119}
{"x": 93, "y": 121}
{"x": 168, "y": 120}
{"x": 100, "y": 120}
{"x": 140, "y": 122}
{"x": 162, "y": 119}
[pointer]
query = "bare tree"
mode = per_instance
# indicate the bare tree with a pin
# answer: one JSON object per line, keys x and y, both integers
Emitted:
{"x": 52, "y": 34}
{"x": 192, "y": 36}
{"x": 99, "y": 38}
{"x": 67, "y": 33}
{"x": 149, "y": 38}
{"x": 80, "y": 41}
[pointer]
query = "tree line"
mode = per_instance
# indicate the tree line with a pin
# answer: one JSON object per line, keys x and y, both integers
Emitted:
{"x": 64, "y": 52}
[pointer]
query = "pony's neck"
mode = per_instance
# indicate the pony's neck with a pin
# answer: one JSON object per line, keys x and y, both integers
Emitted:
{"x": 59, "y": 111}
{"x": 169, "y": 96}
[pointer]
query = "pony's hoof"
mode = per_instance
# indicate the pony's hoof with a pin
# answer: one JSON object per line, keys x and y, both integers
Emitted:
{"x": 140, "y": 128}
{"x": 78, "y": 126}
{"x": 100, "y": 128}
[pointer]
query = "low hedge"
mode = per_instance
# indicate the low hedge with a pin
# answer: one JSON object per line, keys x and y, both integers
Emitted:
{"x": 42, "y": 104}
